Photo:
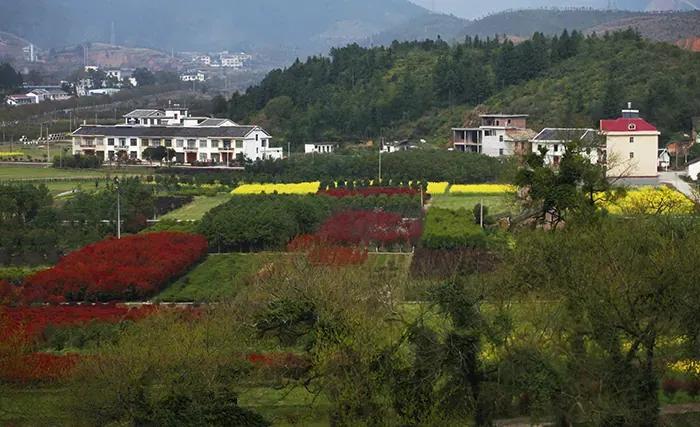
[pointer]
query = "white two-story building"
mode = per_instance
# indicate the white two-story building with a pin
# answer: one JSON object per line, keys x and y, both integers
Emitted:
{"x": 193, "y": 139}
{"x": 498, "y": 135}
{"x": 555, "y": 141}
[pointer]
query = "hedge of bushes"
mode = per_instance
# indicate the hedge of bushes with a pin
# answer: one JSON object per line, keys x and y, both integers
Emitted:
{"x": 452, "y": 229}
{"x": 269, "y": 222}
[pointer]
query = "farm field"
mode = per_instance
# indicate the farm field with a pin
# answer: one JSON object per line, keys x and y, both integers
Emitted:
{"x": 195, "y": 211}
{"x": 217, "y": 277}
{"x": 495, "y": 203}
{"x": 38, "y": 173}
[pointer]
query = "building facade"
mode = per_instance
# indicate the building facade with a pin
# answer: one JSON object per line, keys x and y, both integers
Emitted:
{"x": 193, "y": 140}
{"x": 320, "y": 148}
{"x": 498, "y": 135}
{"x": 555, "y": 140}
{"x": 631, "y": 145}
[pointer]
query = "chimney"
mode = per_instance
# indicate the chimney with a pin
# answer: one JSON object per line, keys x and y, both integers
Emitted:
{"x": 630, "y": 113}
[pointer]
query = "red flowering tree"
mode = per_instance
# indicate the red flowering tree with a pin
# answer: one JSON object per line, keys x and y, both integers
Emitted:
{"x": 132, "y": 268}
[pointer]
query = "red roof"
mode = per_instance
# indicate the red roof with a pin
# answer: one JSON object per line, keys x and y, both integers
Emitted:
{"x": 626, "y": 125}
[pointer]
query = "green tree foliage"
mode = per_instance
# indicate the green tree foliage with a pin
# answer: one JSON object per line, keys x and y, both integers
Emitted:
{"x": 77, "y": 161}
{"x": 437, "y": 165}
{"x": 450, "y": 229}
{"x": 9, "y": 78}
{"x": 408, "y": 89}
{"x": 619, "y": 288}
{"x": 144, "y": 77}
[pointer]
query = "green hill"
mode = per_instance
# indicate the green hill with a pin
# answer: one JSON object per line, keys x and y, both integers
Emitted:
{"x": 421, "y": 89}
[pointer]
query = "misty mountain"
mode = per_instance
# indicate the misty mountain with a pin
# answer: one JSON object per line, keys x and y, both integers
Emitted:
{"x": 297, "y": 27}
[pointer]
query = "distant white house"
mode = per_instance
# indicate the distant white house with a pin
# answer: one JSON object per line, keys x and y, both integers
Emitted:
{"x": 320, "y": 148}
{"x": 498, "y": 135}
{"x": 193, "y": 139}
{"x": 395, "y": 146}
{"x": 104, "y": 91}
{"x": 694, "y": 169}
{"x": 198, "y": 76}
{"x": 664, "y": 159}
{"x": 555, "y": 140}
{"x": 17, "y": 100}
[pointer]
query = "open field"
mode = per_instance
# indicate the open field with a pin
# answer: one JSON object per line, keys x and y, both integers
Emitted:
{"x": 35, "y": 151}
{"x": 496, "y": 204}
{"x": 40, "y": 172}
{"x": 195, "y": 211}
{"x": 218, "y": 277}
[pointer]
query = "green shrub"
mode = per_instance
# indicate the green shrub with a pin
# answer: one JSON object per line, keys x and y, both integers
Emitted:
{"x": 451, "y": 229}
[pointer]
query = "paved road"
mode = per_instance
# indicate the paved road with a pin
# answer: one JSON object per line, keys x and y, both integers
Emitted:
{"x": 674, "y": 178}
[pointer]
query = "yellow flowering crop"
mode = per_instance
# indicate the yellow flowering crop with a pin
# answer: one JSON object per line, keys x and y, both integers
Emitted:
{"x": 688, "y": 366}
{"x": 298, "y": 188}
{"x": 10, "y": 154}
{"x": 482, "y": 188}
{"x": 651, "y": 201}
{"x": 437, "y": 187}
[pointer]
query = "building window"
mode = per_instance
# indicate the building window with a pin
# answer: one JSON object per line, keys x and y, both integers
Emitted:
{"x": 631, "y": 155}
{"x": 500, "y": 151}
{"x": 168, "y": 143}
{"x": 191, "y": 144}
{"x": 556, "y": 147}
{"x": 203, "y": 143}
{"x": 227, "y": 144}
{"x": 179, "y": 143}
{"x": 500, "y": 138}
{"x": 631, "y": 139}
{"x": 202, "y": 157}
{"x": 239, "y": 144}
{"x": 257, "y": 137}
{"x": 134, "y": 142}
{"x": 110, "y": 141}
{"x": 122, "y": 142}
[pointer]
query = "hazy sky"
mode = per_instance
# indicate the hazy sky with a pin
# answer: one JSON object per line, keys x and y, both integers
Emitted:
{"x": 478, "y": 8}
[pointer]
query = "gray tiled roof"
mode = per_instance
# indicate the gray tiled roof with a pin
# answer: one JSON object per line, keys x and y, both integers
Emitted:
{"x": 165, "y": 131}
{"x": 562, "y": 134}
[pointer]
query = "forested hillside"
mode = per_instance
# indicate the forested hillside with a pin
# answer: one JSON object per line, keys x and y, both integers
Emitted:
{"x": 420, "y": 89}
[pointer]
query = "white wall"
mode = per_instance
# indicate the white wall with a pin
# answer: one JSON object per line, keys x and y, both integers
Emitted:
{"x": 645, "y": 149}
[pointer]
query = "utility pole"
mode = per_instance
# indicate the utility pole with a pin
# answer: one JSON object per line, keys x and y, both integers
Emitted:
{"x": 381, "y": 145}
{"x": 48, "y": 145}
{"x": 289, "y": 149}
{"x": 481, "y": 213}
{"x": 119, "y": 209}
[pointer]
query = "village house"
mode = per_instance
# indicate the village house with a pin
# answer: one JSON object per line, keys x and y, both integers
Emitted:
{"x": 631, "y": 145}
{"x": 193, "y": 76}
{"x": 320, "y": 148}
{"x": 16, "y": 100}
{"x": 396, "y": 146}
{"x": 555, "y": 140}
{"x": 193, "y": 139}
{"x": 498, "y": 135}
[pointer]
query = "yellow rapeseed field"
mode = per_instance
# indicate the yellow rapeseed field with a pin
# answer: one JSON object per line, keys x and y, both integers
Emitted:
{"x": 297, "y": 188}
{"x": 482, "y": 188}
{"x": 650, "y": 201}
{"x": 685, "y": 367}
{"x": 437, "y": 187}
{"x": 10, "y": 154}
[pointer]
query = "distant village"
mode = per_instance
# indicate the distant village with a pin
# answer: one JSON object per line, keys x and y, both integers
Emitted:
{"x": 628, "y": 144}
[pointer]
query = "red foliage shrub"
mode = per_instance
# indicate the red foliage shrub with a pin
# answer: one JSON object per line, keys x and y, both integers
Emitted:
{"x": 303, "y": 243}
{"x": 671, "y": 386}
{"x": 287, "y": 364}
{"x": 337, "y": 255}
{"x": 30, "y": 322}
{"x": 9, "y": 294}
{"x": 36, "y": 367}
{"x": 370, "y": 191}
{"x": 114, "y": 270}
{"x": 370, "y": 227}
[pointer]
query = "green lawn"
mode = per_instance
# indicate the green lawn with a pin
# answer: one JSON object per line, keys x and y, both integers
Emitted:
{"x": 40, "y": 172}
{"x": 29, "y": 406}
{"x": 196, "y": 210}
{"x": 219, "y": 276}
{"x": 496, "y": 204}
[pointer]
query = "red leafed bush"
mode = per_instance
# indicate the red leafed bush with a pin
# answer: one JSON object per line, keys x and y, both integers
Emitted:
{"x": 132, "y": 268}
{"x": 36, "y": 367}
{"x": 370, "y": 227}
{"x": 30, "y": 322}
{"x": 9, "y": 294}
{"x": 303, "y": 243}
{"x": 286, "y": 364}
{"x": 370, "y": 191}
{"x": 337, "y": 255}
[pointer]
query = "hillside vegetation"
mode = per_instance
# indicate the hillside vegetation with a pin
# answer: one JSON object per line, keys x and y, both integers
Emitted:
{"x": 420, "y": 89}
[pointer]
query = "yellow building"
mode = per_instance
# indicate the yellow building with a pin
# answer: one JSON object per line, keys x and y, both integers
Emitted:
{"x": 631, "y": 146}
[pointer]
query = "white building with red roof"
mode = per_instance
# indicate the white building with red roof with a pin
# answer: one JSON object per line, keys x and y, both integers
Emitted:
{"x": 631, "y": 145}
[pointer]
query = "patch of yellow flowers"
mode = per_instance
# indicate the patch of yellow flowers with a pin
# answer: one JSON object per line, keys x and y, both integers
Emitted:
{"x": 482, "y": 188}
{"x": 650, "y": 201}
{"x": 437, "y": 187}
{"x": 685, "y": 367}
{"x": 10, "y": 154}
{"x": 298, "y": 188}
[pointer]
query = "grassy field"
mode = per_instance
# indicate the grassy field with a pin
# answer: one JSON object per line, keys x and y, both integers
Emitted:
{"x": 196, "y": 210}
{"x": 34, "y": 151}
{"x": 496, "y": 204}
{"x": 39, "y": 172}
{"x": 219, "y": 276}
